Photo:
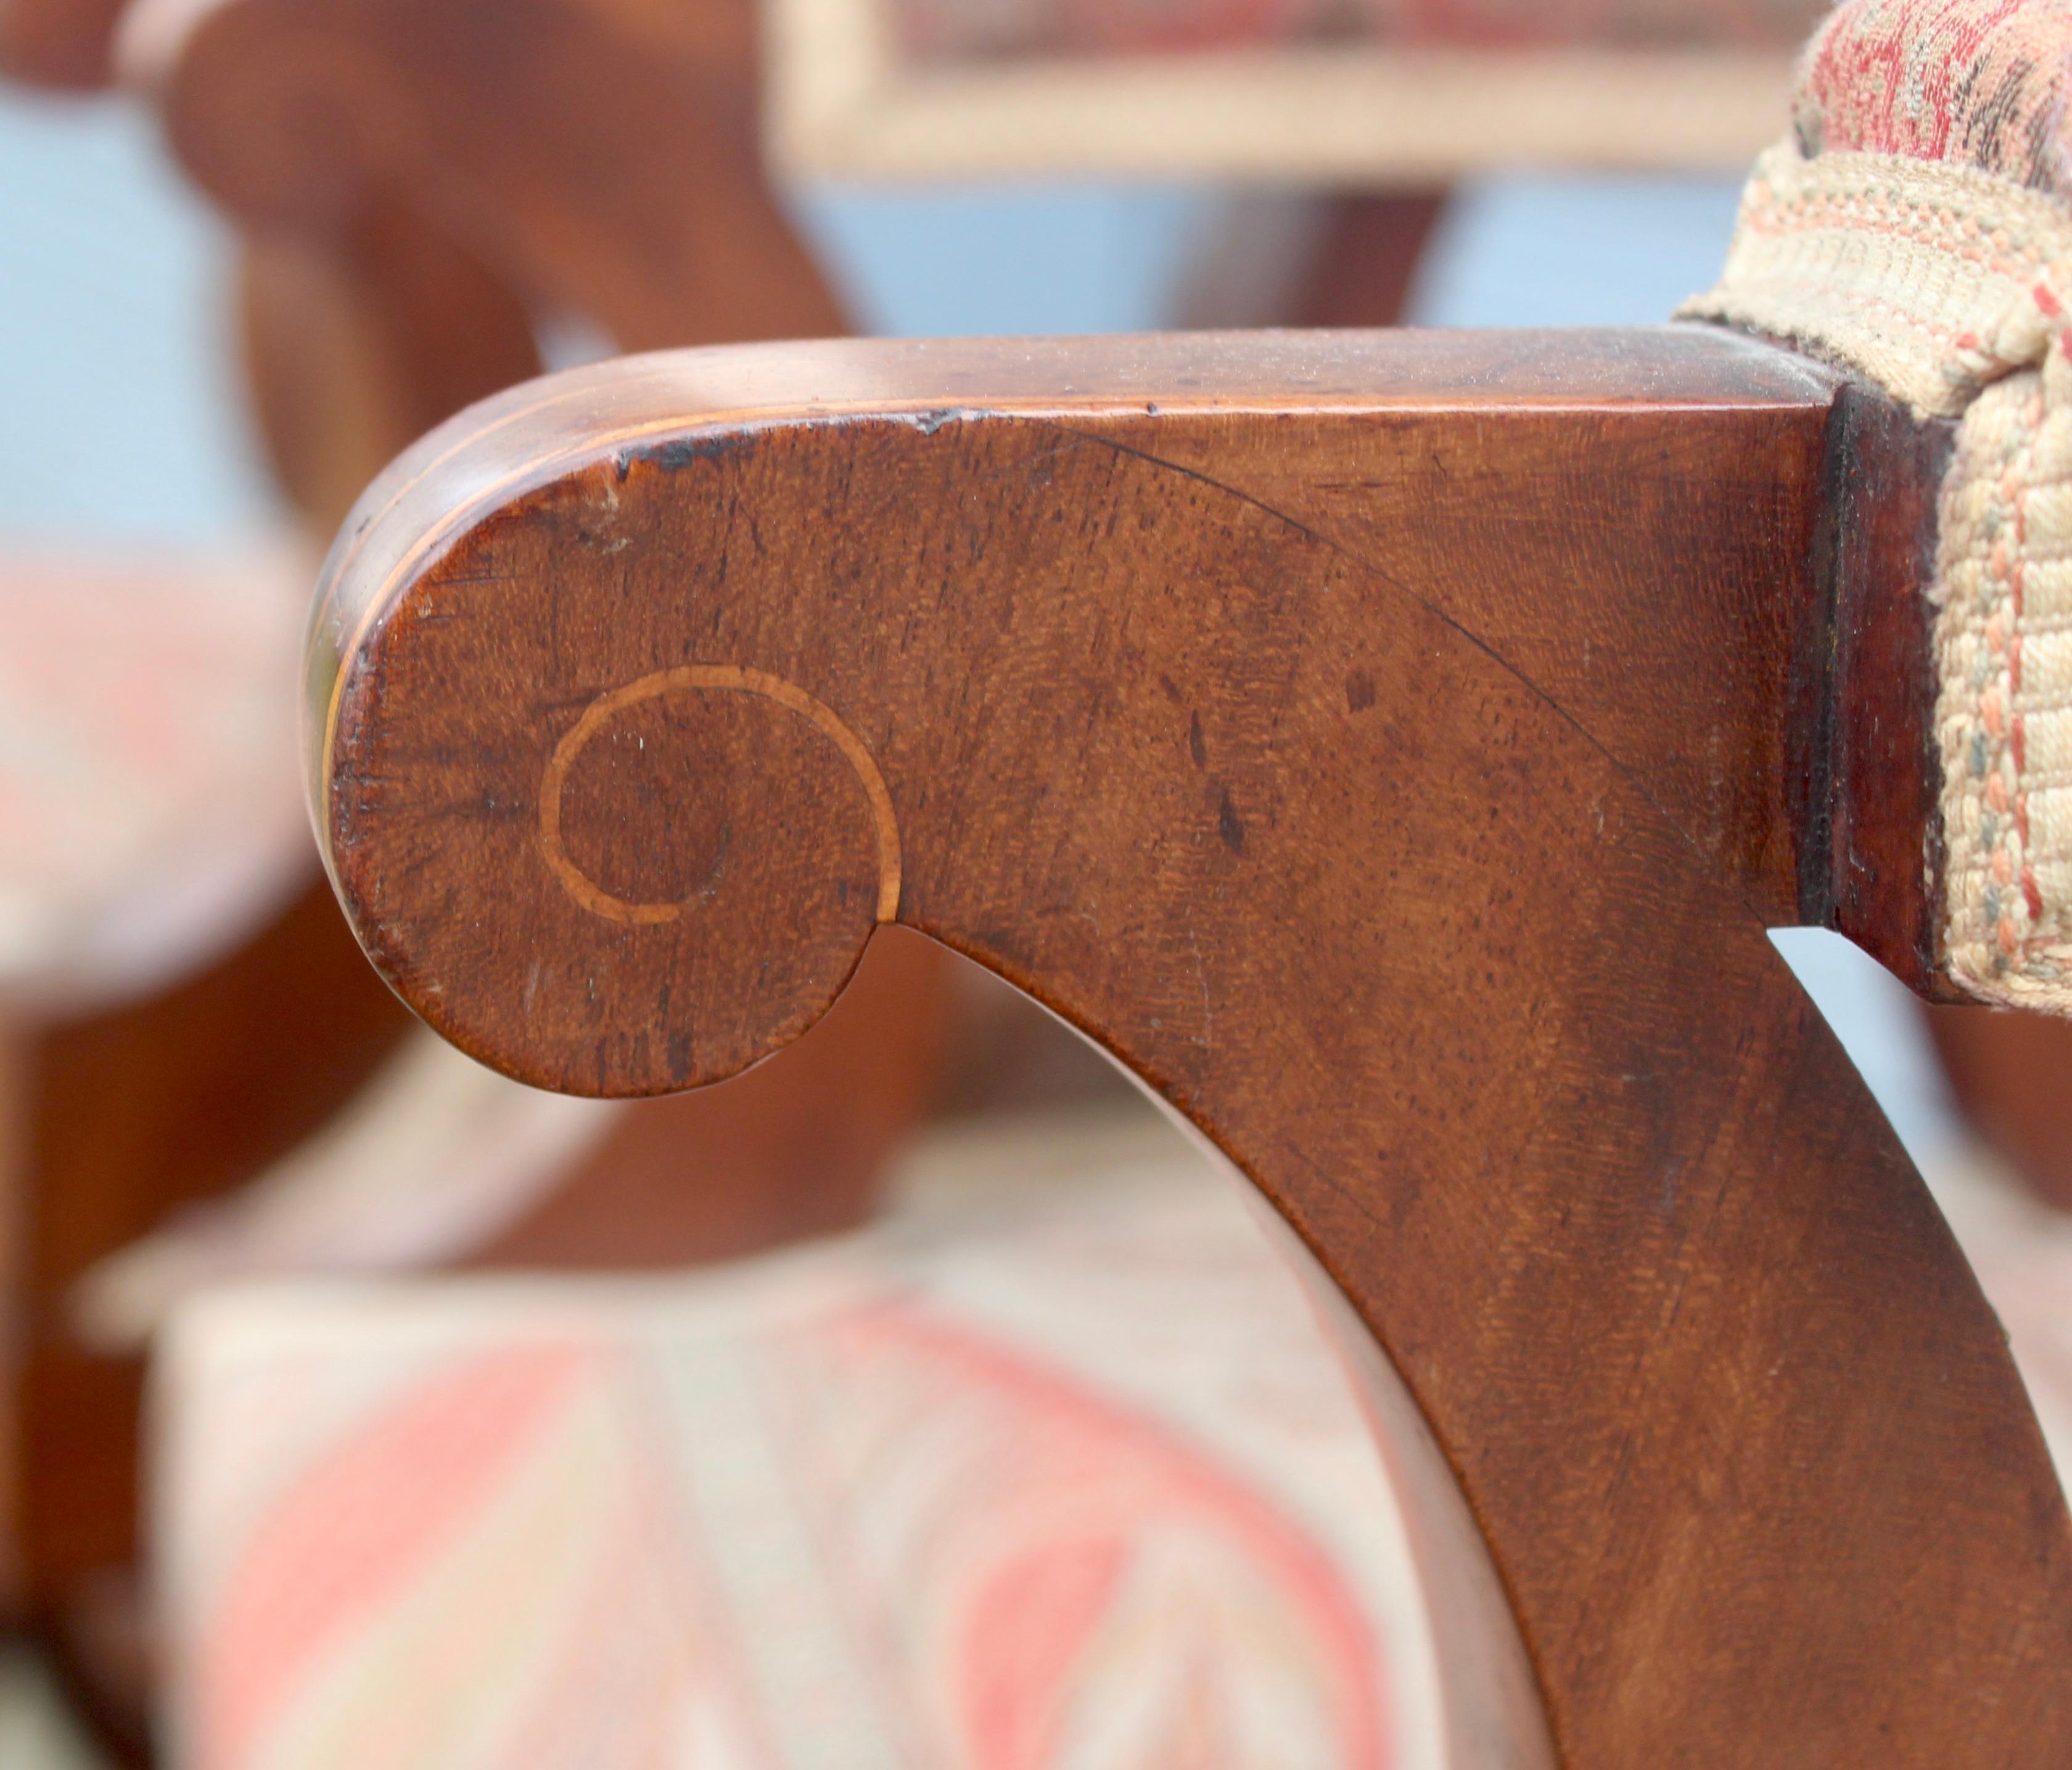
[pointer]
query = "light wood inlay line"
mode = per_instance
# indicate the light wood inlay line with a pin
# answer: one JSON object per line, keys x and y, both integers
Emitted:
{"x": 708, "y": 678}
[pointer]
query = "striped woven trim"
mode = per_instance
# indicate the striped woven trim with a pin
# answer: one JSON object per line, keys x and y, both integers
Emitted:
{"x": 1917, "y": 275}
{"x": 2003, "y": 717}
{"x": 1945, "y": 286}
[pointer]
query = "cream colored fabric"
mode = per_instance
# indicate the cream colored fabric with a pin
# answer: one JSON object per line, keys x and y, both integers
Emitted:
{"x": 360, "y": 1197}
{"x": 1920, "y": 276}
{"x": 2003, "y": 642}
{"x": 1051, "y": 1468}
{"x": 151, "y": 809}
{"x": 1947, "y": 286}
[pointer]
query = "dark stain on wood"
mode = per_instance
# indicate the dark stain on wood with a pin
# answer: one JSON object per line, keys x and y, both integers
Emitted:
{"x": 1873, "y": 863}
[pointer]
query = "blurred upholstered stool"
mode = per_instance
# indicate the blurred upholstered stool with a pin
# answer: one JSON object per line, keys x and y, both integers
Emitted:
{"x": 1053, "y": 1467}
{"x": 148, "y": 814}
{"x": 1378, "y": 93}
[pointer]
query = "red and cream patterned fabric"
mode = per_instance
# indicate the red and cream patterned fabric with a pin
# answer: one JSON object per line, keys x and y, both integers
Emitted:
{"x": 150, "y": 808}
{"x": 1052, "y": 1473}
{"x": 967, "y": 29}
{"x": 1917, "y": 227}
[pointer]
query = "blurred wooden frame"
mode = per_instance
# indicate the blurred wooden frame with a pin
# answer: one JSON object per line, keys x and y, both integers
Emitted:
{"x": 843, "y": 100}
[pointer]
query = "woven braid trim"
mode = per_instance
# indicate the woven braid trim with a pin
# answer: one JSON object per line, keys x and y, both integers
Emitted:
{"x": 1946, "y": 286}
{"x": 2003, "y": 717}
{"x": 1917, "y": 275}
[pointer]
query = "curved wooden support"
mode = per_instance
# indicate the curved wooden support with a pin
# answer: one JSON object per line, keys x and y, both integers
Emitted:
{"x": 602, "y": 158}
{"x": 420, "y": 181}
{"x": 64, "y": 43}
{"x": 359, "y": 341}
{"x": 1392, "y": 748}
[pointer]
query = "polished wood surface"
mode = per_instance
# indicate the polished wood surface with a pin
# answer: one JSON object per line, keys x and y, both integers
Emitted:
{"x": 526, "y": 131}
{"x": 420, "y": 186}
{"x": 1392, "y": 748}
{"x": 797, "y": 1147}
{"x": 1871, "y": 862}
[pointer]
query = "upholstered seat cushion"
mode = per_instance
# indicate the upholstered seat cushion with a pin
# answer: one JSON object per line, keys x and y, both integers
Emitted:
{"x": 150, "y": 806}
{"x": 1054, "y": 1467}
{"x": 1915, "y": 226}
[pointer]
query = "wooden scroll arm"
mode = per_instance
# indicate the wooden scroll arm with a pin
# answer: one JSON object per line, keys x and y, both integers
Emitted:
{"x": 1392, "y": 748}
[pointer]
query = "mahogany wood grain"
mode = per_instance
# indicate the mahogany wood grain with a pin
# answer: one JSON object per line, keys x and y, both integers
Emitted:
{"x": 797, "y": 1147}
{"x": 525, "y": 130}
{"x": 418, "y": 185}
{"x": 1392, "y": 748}
{"x": 1871, "y": 863}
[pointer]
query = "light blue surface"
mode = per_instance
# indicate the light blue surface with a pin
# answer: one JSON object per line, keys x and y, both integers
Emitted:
{"x": 118, "y": 408}
{"x": 1875, "y": 1016}
{"x": 116, "y": 349}
{"x": 1007, "y": 259}
{"x": 1576, "y": 251}
{"x": 1010, "y": 259}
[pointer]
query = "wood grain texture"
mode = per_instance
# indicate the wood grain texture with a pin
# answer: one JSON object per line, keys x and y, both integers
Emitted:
{"x": 1873, "y": 857}
{"x": 795, "y": 1148}
{"x": 1391, "y": 748}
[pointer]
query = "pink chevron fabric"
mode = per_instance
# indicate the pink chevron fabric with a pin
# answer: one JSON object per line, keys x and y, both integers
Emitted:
{"x": 1052, "y": 1471}
{"x": 963, "y": 30}
{"x": 1066, "y": 1482}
